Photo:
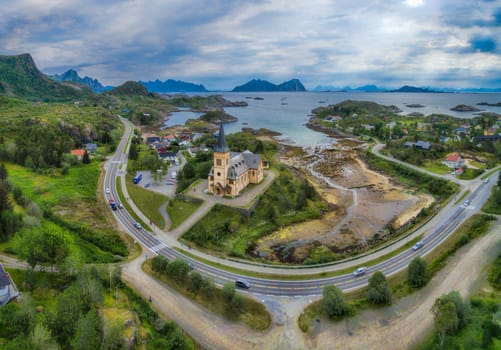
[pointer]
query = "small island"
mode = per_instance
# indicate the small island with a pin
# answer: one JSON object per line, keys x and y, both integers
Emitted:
{"x": 497, "y": 104}
{"x": 414, "y": 105}
{"x": 465, "y": 108}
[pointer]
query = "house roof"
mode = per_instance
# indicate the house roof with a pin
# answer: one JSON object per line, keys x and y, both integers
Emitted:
{"x": 77, "y": 152}
{"x": 4, "y": 277}
{"x": 453, "y": 157}
{"x": 221, "y": 141}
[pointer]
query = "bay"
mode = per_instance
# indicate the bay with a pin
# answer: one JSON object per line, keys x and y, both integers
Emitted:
{"x": 287, "y": 112}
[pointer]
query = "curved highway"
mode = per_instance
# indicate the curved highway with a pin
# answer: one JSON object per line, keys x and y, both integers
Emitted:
{"x": 455, "y": 216}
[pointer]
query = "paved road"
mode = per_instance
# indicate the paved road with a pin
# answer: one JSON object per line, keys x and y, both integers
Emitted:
{"x": 434, "y": 232}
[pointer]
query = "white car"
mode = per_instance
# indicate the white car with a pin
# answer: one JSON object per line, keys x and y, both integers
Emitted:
{"x": 138, "y": 225}
{"x": 108, "y": 191}
{"x": 359, "y": 271}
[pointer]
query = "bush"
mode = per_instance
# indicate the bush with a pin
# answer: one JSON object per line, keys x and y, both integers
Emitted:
{"x": 416, "y": 275}
{"x": 334, "y": 302}
{"x": 379, "y": 291}
{"x": 159, "y": 264}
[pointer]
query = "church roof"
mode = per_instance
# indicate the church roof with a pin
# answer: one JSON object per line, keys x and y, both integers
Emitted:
{"x": 221, "y": 141}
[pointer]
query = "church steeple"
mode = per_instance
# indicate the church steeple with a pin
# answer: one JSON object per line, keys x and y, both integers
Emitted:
{"x": 221, "y": 141}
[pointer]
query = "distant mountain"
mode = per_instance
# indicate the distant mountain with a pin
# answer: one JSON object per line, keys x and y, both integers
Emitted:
{"x": 407, "y": 88}
{"x": 364, "y": 88}
{"x": 172, "y": 86}
{"x": 256, "y": 85}
{"x": 20, "y": 77}
{"x": 129, "y": 88}
{"x": 72, "y": 75}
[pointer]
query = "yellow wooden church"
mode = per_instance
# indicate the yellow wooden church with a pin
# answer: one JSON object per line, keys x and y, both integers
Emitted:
{"x": 233, "y": 171}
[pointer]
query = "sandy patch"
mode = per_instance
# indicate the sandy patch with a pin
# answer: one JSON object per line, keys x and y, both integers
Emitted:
{"x": 365, "y": 204}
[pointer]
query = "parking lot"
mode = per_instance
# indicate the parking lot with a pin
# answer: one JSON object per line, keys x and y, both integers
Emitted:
{"x": 166, "y": 186}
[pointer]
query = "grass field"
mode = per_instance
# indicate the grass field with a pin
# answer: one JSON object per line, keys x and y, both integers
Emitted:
{"x": 179, "y": 210}
{"x": 148, "y": 202}
{"x": 437, "y": 167}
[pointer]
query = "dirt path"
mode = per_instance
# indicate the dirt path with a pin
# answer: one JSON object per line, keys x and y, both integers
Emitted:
{"x": 409, "y": 319}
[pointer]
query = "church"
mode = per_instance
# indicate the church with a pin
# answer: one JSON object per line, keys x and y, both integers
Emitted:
{"x": 233, "y": 171}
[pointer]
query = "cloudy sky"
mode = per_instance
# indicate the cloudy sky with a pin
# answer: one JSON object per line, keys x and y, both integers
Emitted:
{"x": 223, "y": 43}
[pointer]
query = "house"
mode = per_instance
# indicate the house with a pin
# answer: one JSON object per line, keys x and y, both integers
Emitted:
{"x": 170, "y": 156}
{"x": 79, "y": 153}
{"x": 233, "y": 171}
{"x": 454, "y": 161}
{"x": 192, "y": 151}
{"x": 461, "y": 129}
{"x": 487, "y": 138}
{"x": 8, "y": 289}
{"x": 490, "y": 132}
{"x": 391, "y": 125}
{"x": 150, "y": 139}
{"x": 91, "y": 148}
{"x": 425, "y": 145}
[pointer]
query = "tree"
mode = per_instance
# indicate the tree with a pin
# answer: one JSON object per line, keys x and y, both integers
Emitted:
{"x": 133, "y": 153}
{"x": 178, "y": 270}
{"x": 113, "y": 335}
{"x": 42, "y": 245}
{"x": 3, "y": 172}
{"x": 416, "y": 274}
{"x": 228, "y": 292}
{"x": 379, "y": 291}
{"x": 463, "y": 309}
{"x": 86, "y": 158}
{"x": 195, "y": 279}
{"x": 444, "y": 316}
{"x": 333, "y": 301}
{"x": 159, "y": 263}
{"x": 41, "y": 338}
{"x": 87, "y": 334}
{"x": 207, "y": 288}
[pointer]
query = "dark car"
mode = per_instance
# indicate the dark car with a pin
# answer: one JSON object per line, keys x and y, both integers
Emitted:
{"x": 242, "y": 284}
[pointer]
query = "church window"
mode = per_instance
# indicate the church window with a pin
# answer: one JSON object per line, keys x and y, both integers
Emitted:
{"x": 218, "y": 162}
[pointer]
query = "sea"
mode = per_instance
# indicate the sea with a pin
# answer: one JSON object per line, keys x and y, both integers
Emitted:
{"x": 288, "y": 112}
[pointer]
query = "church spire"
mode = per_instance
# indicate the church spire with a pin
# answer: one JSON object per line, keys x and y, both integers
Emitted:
{"x": 221, "y": 141}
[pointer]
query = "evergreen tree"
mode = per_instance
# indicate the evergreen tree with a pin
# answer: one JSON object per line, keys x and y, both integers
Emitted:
{"x": 86, "y": 158}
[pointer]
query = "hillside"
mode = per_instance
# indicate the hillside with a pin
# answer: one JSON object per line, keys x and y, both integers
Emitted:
{"x": 256, "y": 85}
{"x": 72, "y": 76}
{"x": 20, "y": 77}
{"x": 172, "y": 86}
{"x": 129, "y": 88}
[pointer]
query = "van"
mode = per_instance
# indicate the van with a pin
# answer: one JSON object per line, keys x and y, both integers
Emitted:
{"x": 242, "y": 284}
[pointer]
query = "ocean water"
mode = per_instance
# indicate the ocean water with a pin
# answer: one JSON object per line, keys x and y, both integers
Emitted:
{"x": 287, "y": 112}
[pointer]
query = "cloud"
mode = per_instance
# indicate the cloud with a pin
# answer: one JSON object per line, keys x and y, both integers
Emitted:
{"x": 222, "y": 43}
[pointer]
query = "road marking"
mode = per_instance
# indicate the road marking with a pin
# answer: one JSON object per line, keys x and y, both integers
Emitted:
{"x": 158, "y": 247}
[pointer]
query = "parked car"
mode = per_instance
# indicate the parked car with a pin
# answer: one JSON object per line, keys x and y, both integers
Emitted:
{"x": 242, "y": 284}
{"x": 138, "y": 225}
{"x": 417, "y": 245}
{"x": 359, "y": 271}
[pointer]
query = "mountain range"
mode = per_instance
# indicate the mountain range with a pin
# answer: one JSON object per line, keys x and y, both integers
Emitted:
{"x": 72, "y": 75}
{"x": 20, "y": 77}
{"x": 172, "y": 86}
{"x": 263, "y": 85}
{"x": 405, "y": 88}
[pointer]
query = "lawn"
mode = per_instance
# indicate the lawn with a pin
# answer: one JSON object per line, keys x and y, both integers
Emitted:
{"x": 148, "y": 202}
{"x": 470, "y": 174}
{"x": 437, "y": 167}
{"x": 179, "y": 210}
